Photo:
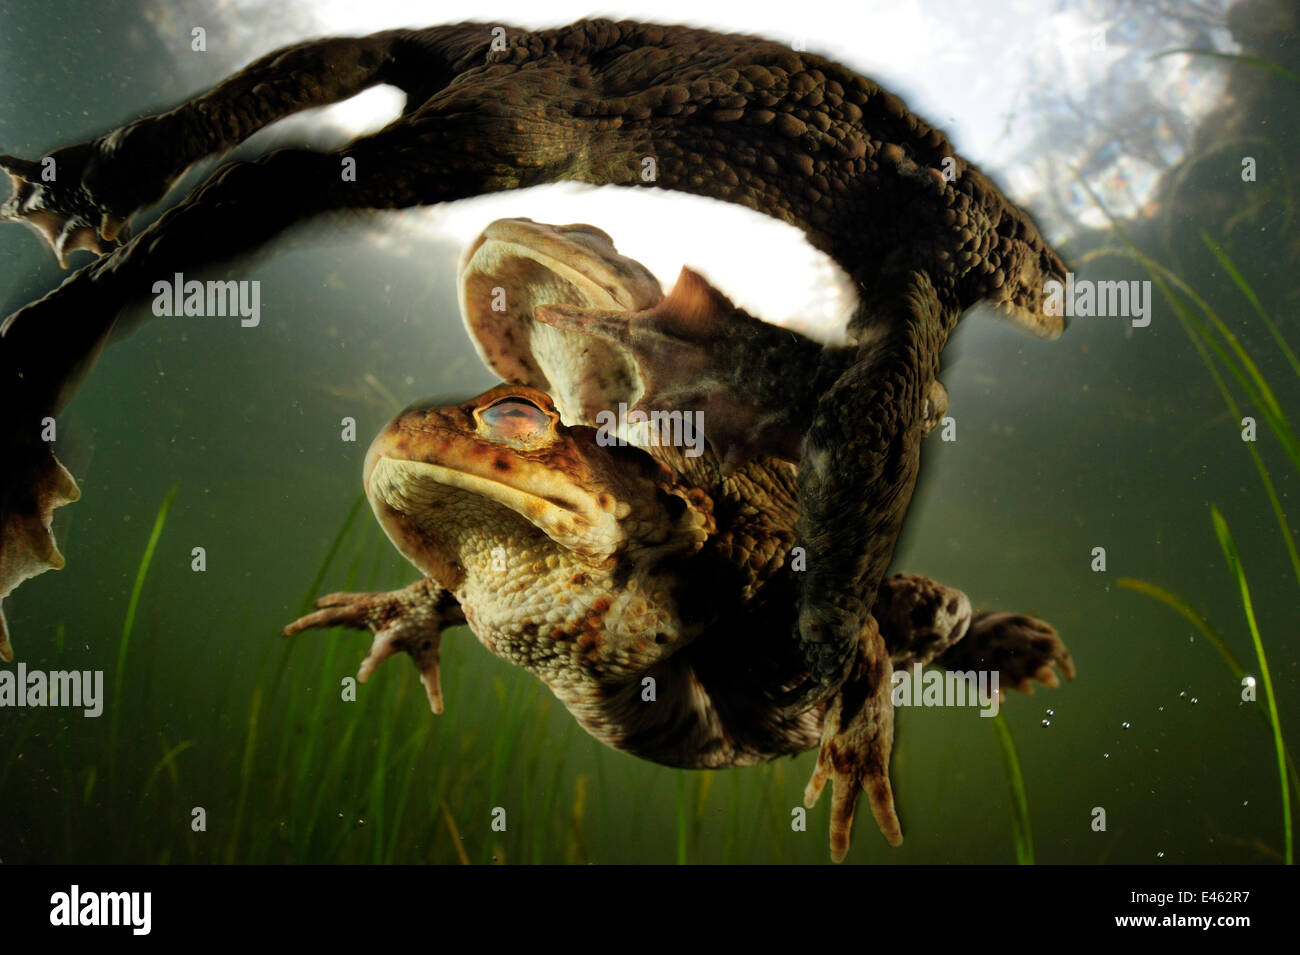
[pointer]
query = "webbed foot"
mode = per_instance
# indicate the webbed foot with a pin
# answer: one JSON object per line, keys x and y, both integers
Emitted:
{"x": 53, "y": 196}
{"x": 1020, "y": 648}
{"x": 28, "y": 497}
{"x": 857, "y": 737}
{"x": 410, "y": 620}
{"x": 916, "y": 621}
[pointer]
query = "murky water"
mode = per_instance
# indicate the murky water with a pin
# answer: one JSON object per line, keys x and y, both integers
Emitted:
{"x": 1113, "y": 437}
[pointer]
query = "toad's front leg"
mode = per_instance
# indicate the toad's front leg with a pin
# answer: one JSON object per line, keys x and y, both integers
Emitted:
{"x": 410, "y": 620}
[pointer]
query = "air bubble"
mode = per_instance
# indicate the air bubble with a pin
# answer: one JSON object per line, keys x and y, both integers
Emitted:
{"x": 1047, "y": 723}
{"x": 1126, "y": 725}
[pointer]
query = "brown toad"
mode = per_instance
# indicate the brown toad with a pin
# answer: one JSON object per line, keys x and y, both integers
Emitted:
{"x": 654, "y": 594}
{"x": 922, "y": 234}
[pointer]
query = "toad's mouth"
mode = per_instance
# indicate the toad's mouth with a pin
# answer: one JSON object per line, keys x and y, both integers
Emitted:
{"x": 432, "y": 513}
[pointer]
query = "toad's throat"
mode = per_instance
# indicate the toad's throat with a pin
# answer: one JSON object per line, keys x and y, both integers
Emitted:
{"x": 425, "y": 500}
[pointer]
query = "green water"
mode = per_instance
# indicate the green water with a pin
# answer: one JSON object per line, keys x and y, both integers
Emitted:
{"x": 1100, "y": 439}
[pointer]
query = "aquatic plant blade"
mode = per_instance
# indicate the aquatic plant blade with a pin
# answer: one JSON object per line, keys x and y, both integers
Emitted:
{"x": 1222, "y": 531}
{"x": 132, "y": 606}
{"x": 1020, "y": 825}
{"x": 1215, "y": 639}
{"x": 1246, "y": 290}
{"x": 1257, "y": 62}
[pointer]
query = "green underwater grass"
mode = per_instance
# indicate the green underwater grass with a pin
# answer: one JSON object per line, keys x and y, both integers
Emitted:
{"x": 377, "y": 780}
{"x": 1255, "y": 62}
{"x": 128, "y": 623}
{"x": 1022, "y": 832}
{"x": 1234, "y": 563}
{"x": 1213, "y": 339}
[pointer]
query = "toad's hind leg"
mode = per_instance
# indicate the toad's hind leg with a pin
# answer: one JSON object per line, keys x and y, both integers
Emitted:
{"x": 915, "y": 620}
{"x": 83, "y": 196}
{"x": 857, "y": 737}
{"x": 858, "y": 470}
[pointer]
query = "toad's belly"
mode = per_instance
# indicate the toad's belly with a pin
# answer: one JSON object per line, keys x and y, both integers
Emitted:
{"x": 637, "y": 683}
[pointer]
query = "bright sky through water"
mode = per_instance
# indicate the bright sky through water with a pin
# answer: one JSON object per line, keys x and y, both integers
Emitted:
{"x": 999, "y": 62}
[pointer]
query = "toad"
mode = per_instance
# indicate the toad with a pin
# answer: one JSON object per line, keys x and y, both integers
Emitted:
{"x": 923, "y": 235}
{"x": 654, "y": 592}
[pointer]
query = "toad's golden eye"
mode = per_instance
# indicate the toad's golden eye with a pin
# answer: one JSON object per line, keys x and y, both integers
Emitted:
{"x": 515, "y": 419}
